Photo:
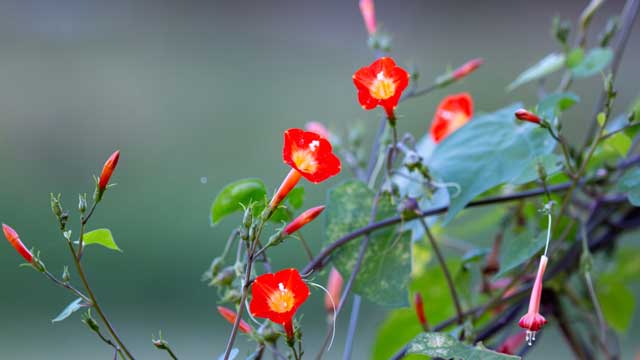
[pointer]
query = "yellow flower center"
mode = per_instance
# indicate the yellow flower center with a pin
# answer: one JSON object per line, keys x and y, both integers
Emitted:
{"x": 304, "y": 158}
{"x": 456, "y": 119}
{"x": 282, "y": 300}
{"x": 382, "y": 87}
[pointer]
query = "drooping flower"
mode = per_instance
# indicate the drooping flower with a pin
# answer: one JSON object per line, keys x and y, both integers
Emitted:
{"x": 231, "y": 317}
{"x": 526, "y": 115}
{"x": 334, "y": 287}
{"x": 511, "y": 345}
{"x": 14, "y": 240}
{"x": 368, "y": 11}
{"x": 278, "y": 296}
{"x": 107, "y": 171}
{"x": 381, "y": 83}
{"x": 467, "y": 68}
{"x": 533, "y": 321}
{"x": 310, "y": 156}
{"x": 419, "y": 306}
{"x": 303, "y": 219}
{"x": 453, "y": 112}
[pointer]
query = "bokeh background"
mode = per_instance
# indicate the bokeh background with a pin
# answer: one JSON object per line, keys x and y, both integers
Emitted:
{"x": 196, "y": 94}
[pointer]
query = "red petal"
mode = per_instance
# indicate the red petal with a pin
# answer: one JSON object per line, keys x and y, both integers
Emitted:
{"x": 328, "y": 163}
{"x": 458, "y": 104}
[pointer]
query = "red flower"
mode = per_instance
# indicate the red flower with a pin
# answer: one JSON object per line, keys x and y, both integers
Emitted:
{"x": 310, "y": 155}
{"x": 303, "y": 219}
{"x": 231, "y": 316}
{"x": 453, "y": 112}
{"x": 14, "y": 240}
{"x": 512, "y": 343}
{"x": 381, "y": 83}
{"x": 467, "y": 68}
{"x": 107, "y": 171}
{"x": 526, "y": 115}
{"x": 368, "y": 11}
{"x": 532, "y": 321}
{"x": 334, "y": 289}
{"x": 278, "y": 296}
{"x": 419, "y": 304}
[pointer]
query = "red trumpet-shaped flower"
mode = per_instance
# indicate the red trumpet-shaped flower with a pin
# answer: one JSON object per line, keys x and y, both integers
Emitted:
{"x": 422, "y": 318}
{"x": 303, "y": 219}
{"x": 231, "y": 316}
{"x": 381, "y": 83}
{"x": 526, "y": 115}
{"x": 368, "y": 11}
{"x": 278, "y": 296}
{"x": 14, "y": 240}
{"x": 310, "y": 155}
{"x": 532, "y": 321}
{"x": 107, "y": 171}
{"x": 453, "y": 112}
{"x": 467, "y": 68}
{"x": 334, "y": 291}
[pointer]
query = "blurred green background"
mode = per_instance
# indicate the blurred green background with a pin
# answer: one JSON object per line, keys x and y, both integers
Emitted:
{"x": 196, "y": 94}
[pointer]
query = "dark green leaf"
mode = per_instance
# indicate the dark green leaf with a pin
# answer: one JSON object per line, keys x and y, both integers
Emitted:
{"x": 101, "y": 237}
{"x": 516, "y": 250}
{"x": 593, "y": 63}
{"x": 234, "y": 196}
{"x": 618, "y": 304}
{"x": 386, "y": 267}
{"x": 398, "y": 329}
{"x": 74, "y": 306}
{"x": 549, "y": 64}
{"x": 490, "y": 150}
{"x": 630, "y": 184}
{"x": 445, "y": 346}
{"x": 296, "y": 197}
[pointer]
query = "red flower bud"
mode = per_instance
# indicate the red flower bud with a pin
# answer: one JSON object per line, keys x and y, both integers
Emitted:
{"x": 14, "y": 240}
{"x": 368, "y": 11}
{"x": 303, "y": 219}
{"x": 381, "y": 83}
{"x": 108, "y": 169}
{"x": 420, "y": 311}
{"x": 526, "y": 115}
{"x": 231, "y": 316}
{"x": 466, "y": 69}
{"x": 334, "y": 287}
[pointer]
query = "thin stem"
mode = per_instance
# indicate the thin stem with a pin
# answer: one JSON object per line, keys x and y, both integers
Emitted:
{"x": 305, "y": 245}
{"x": 445, "y": 270}
{"x": 67, "y": 286}
{"x": 591, "y": 288}
{"x": 351, "y": 331}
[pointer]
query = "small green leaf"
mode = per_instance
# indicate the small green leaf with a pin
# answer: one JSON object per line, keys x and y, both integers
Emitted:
{"x": 516, "y": 250}
{"x": 618, "y": 304}
{"x": 593, "y": 63}
{"x": 554, "y": 104}
{"x": 445, "y": 346}
{"x": 619, "y": 142}
{"x": 74, "y": 306}
{"x": 234, "y": 196}
{"x": 386, "y": 267}
{"x": 602, "y": 117}
{"x": 630, "y": 184}
{"x": 101, "y": 237}
{"x": 549, "y": 64}
{"x": 575, "y": 57}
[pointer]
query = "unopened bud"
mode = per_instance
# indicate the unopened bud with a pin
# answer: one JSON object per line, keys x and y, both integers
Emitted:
{"x": 334, "y": 291}
{"x": 419, "y": 307}
{"x": 82, "y": 203}
{"x": 303, "y": 219}
{"x": 14, "y": 239}
{"x": 90, "y": 321}
{"x": 409, "y": 208}
{"x": 609, "y": 31}
{"x": 526, "y": 115}
{"x": 61, "y": 215}
{"x": 561, "y": 30}
{"x": 105, "y": 176}
{"x": 247, "y": 218}
{"x": 225, "y": 277}
{"x": 232, "y": 296}
{"x": 231, "y": 317}
{"x": 269, "y": 334}
{"x": 66, "y": 276}
{"x": 467, "y": 68}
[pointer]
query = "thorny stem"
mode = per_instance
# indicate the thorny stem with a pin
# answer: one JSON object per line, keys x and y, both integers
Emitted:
{"x": 445, "y": 270}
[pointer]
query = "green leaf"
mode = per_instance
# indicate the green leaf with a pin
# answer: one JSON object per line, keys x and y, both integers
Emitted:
{"x": 74, "y": 306}
{"x": 619, "y": 142}
{"x": 101, "y": 237}
{"x": 553, "y": 104}
{"x": 618, "y": 304}
{"x": 296, "y": 197}
{"x": 575, "y": 57}
{"x": 552, "y": 163}
{"x": 601, "y": 117}
{"x": 549, "y": 64}
{"x": 516, "y": 250}
{"x": 445, "y": 346}
{"x": 234, "y": 196}
{"x": 434, "y": 288}
{"x": 398, "y": 329}
{"x": 386, "y": 267}
{"x": 630, "y": 184}
{"x": 490, "y": 150}
{"x": 593, "y": 63}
